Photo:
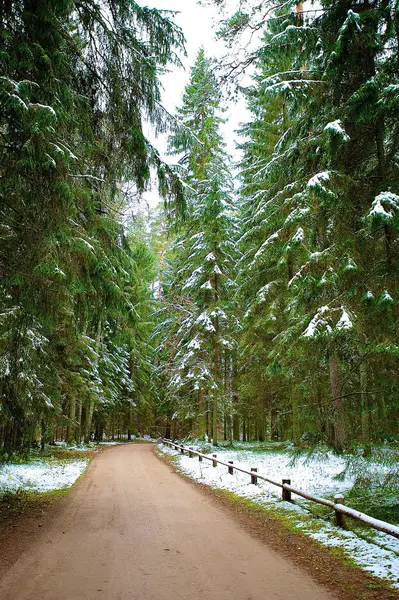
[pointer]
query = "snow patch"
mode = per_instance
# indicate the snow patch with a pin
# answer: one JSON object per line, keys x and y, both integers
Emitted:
{"x": 344, "y": 322}
{"x": 40, "y": 476}
{"x": 336, "y": 128}
{"x": 317, "y": 180}
{"x": 299, "y": 235}
{"x": 382, "y": 203}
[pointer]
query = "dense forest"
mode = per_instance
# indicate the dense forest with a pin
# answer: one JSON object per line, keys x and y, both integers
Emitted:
{"x": 259, "y": 300}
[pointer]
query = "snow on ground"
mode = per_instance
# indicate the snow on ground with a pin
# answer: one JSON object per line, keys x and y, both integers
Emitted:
{"x": 40, "y": 476}
{"x": 375, "y": 552}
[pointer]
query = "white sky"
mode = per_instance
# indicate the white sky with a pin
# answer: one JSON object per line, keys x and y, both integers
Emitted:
{"x": 197, "y": 24}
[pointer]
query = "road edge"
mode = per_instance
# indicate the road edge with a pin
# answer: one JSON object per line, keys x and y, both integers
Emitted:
{"x": 327, "y": 567}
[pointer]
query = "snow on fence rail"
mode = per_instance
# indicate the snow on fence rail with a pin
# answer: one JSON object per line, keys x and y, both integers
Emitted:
{"x": 287, "y": 489}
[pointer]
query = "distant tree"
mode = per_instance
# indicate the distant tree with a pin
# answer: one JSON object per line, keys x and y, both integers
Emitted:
{"x": 198, "y": 298}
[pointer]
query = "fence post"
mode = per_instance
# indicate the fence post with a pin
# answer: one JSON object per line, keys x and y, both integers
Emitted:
{"x": 230, "y": 467}
{"x": 200, "y": 457}
{"x": 182, "y": 449}
{"x": 190, "y": 452}
{"x": 214, "y": 463}
{"x": 286, "y": 494}
{"x": 339, "y": 517}
{"x": 254, "y": 478}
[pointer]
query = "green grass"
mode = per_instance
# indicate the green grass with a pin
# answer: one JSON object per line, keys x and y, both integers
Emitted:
{"x": 50, "y": 454}
{"x": 60, "y": 454}
{"x": 16, "y": 504}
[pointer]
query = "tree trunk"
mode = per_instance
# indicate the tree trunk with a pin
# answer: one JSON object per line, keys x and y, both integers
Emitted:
{"x": 340, "y": 431}
{"x": 201, "y": 414}
{"x": 296, "y": 430}
{"x": 90, "y": 408}
{"x": 71, "y": 427}
{"x": 234, "y": 397}
{"x": 365, "y": 405}
{"x": 78, "y": 431}
{"x": 215, "y": 421}
{"x": 216, "y": 369}
{"x": 236, "y": 428}
{"x": 273, "y": 425}
{"x": 228, "y": 397}
{"x": 168, "y": 429}
{"x": 88, "y": 421}
{"x": 261, "y": 423}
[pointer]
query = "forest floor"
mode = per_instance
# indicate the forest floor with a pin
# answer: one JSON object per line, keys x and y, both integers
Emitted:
{"x": 133, "y": 528}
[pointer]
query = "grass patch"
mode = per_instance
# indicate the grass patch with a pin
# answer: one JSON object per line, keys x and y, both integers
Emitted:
{"x": 61, "y": 454}
{"x": 381, "y": 502}
{"x": 16, "y": 504}
{"x": 50, "y": 453}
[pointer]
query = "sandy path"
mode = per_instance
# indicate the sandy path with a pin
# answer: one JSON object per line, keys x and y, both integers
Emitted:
{"x": 134, "y": 530}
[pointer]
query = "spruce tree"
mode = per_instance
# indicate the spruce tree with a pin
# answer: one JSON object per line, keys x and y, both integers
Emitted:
{"x": 320, "y": 219}
{"x": 201, "y": 284}
{"x": 77, "y": 79}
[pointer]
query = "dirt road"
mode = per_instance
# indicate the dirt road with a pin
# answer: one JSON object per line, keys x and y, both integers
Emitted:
{"x": 134, "y": 530}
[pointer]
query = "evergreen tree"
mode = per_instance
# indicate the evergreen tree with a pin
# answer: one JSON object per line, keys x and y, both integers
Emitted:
{"x": 199, "y": 334}
{"x": 76, "y": 79}
{"x": 320, "y": 197}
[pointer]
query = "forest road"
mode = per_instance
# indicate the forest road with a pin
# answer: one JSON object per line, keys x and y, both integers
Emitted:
{"x": 132, "y": 529}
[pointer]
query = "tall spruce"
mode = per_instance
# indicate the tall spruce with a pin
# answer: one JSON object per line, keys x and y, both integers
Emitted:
{"x": 199, "y": 333}
{"x": 320, "y": 218}
{"x": 77, "y": 78}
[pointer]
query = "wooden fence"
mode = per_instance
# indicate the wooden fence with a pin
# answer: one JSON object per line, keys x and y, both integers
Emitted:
{"x": 287, "y": 490}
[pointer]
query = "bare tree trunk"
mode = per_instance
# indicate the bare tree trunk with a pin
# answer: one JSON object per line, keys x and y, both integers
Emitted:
{"x": 365, "y": 409}
{"x": 216, "y": 370}
{"x": 296, "y": 431}
{"x": 273, "y": 425}
{"x": 228, "y": 391}
{"x": 90, "y": 407}
{"x": 71, "y": 427}
{"x": 236, "y": 427}
{"x": 78, "y": 429}
{"x": 88, "y": 421}
{"x": 234, "y": 399}
{"x": 261, "y": 423}
{"x": 340, "y": 433}
{"x": 215, "y": 421}
{"x": 201, "y": 414}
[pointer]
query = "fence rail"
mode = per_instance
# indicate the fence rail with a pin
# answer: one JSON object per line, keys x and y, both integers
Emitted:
{"x": 287, "y": 489}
